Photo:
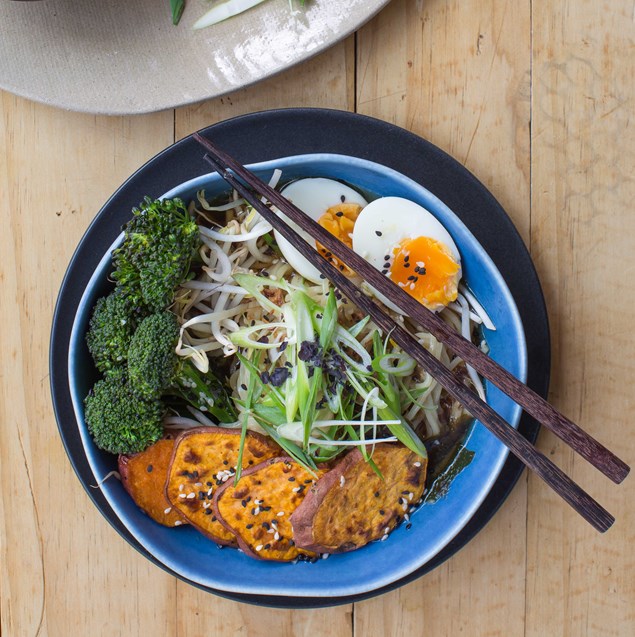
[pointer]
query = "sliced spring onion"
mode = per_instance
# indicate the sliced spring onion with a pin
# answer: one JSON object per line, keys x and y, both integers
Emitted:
{"x": 177, "y": 7}
{"x": 223, "y": 11}
{"x": 242, "y": 337}
{"x": 396, "y": 364}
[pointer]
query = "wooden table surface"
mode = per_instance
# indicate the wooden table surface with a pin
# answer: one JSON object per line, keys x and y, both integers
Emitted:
{"x": 537, "y": 99}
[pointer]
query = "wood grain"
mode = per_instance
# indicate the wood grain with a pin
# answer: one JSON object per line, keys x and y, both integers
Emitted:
{"x": 457, "y": 73}
{"x": 583, "y": 229}
{"x": 56, "y": 576}
{"x": 471, "y": 76}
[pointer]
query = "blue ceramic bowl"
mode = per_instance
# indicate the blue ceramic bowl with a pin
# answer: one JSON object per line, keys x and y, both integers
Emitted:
{"x": 378, "y": 564}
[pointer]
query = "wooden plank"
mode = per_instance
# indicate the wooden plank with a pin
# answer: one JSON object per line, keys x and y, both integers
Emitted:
{"x": 457, "y": 73}
{"x": 583, "y": 149}
{"x": 325, "y": 81}
{"x": 63, "y": 570}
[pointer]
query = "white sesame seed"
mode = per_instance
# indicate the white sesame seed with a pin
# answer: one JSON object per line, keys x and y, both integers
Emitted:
{"x": 387, "y": 529}
{"x": 296, "y": 489}
{"x": 325, "y": 555}
{"x": 182, "y": 495}
{"x": 342, "y": 481}
{"x": 412, "y": 286}
{"x": 167, "y": 510}
{"x": 280, "y": 514}
{"x": 410, "y": 496}
{"x": 178, "y": 523}
{"x": 384, "y": 538}
{"x": 406, "y": 518}
{"x": 207, "y": 505}
{"x": 421, "y": 264}
{"x": 276, "y": 536}
{"x": 190, "y": 496}
{"x": 258, "y": 502}
{"x": 259, "y": 547}
{"x": 210, "y": 490}
{"x": 256, "y": 510}
{"x": 417, "y": 464}
{"x": 181, "y": 487}
{"x": 271, "y": 531}
{"x": 404, "y": 506}
{"x": 198, "y": 484}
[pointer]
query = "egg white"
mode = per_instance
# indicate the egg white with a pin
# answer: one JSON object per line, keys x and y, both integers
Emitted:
{"x": 314, "y": 196}
{"x": 384, "y": 223}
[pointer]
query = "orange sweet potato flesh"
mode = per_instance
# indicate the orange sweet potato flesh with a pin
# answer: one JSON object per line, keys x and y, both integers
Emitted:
{"x": 203, "y": 460}
{"x": 351, "y": 505}
{"x": 144, "y": 474}
{"x": 258, "y": 508}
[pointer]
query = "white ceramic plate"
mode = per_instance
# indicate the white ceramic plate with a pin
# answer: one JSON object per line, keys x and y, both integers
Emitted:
{"x": 120, "y": 57}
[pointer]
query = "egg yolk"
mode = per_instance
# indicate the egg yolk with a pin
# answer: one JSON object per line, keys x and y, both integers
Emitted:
{"x": 339, "y": 221}
{"x": 425, "y": 268}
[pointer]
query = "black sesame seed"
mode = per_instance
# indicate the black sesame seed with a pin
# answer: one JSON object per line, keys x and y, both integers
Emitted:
{"x": 267, "y": 547}
{"x": 283, "y": 345}
{"x": 265, "y": 508}
{"x": 213, "y": 517}
{"x": 339, "y": 214}
{"x": 322, "y": 276}
{"x": 202, "y": 495}
{"x": 208, "y": 512}
{"x": 149, "y": 468}
{"x": 244, "y": 503}
{"x": 408, "y": 526}
{"x": 376, "y": 494}
{"x": 291, "y": 479}
{"x": 208, "y": 483}
{"x": 308, "y": 481}
{"x": 405, "y": 492}
{"x": 406, "y": 265}
{"x": 341, "y": 268}
{"x": 378, "y": 233}
{"x": 412, "y": 277}
{"x": 387, "y": 257}
{"x": 265, "y": 525}
{"x": 243, "y": 387}
{"x": 264, "y": 273}
{"x": 249, "y": 526}
{"x": 406, "y": 258}
{"x": 225, "y": 462}
{"x": 381, "y": 512}
{"x": 342, "y": 198}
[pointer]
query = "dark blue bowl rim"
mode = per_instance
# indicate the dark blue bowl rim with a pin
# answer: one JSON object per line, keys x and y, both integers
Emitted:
{"x": 278, "y": 133}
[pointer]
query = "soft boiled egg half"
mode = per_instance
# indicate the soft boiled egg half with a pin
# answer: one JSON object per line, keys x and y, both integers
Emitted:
{"x": 397, "y": 236}
{"x": 411, "y": 247}
{"x": 335, "y": 206}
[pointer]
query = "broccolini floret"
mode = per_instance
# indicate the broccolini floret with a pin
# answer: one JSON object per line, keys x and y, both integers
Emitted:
{"x": 159, "y": 243}
{"x": 155, "y": 370}
{"x": 118, "y": 419}
{"x": 110, "y": 331}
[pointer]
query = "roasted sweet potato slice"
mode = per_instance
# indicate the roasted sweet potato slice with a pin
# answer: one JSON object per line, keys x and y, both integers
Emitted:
{"x": 258, "y": 508}
{"x": 143, "y": 476}
{"x": 204, "y": 459}
{"x": 351, "y": 505}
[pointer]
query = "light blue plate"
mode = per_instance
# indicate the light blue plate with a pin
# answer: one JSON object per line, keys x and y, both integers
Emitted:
{"x": 195, "y": 557}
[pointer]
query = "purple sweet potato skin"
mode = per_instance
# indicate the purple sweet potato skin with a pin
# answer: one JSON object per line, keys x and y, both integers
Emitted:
{"x": 351, "y": 505}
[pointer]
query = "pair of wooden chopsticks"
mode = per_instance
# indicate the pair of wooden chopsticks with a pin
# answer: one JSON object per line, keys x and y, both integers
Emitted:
{"x": 252, "y": 189}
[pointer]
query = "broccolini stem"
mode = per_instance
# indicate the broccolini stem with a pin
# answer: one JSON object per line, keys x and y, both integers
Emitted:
{"x": 205, "y": 392}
